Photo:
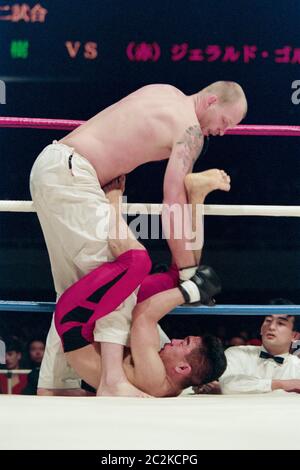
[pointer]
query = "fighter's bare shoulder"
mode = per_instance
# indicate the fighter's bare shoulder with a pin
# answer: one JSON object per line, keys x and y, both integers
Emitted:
{"x": 179, "y": 107}
{"x": 161, "y": 87}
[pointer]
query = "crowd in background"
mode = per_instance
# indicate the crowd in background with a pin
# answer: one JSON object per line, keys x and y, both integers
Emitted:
{"x": 24, "y": 340}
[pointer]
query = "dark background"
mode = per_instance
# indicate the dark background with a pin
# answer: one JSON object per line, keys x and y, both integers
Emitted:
{"x": 257, "y": 258}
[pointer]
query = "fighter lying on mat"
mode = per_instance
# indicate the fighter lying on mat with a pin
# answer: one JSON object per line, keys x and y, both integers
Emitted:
{"x": 178, "y": 364}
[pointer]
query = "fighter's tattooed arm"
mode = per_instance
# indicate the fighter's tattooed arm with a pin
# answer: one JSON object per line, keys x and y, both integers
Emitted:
{"x": 189, "y": 147}
{"x": 184, "y": 153}
{"x": 186, "y": 149}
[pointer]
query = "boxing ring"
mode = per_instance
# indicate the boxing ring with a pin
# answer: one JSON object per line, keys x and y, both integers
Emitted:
{"x": 260, "y": 421}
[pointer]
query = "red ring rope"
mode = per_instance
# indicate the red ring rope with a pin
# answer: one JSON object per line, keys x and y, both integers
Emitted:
{"x": 68, "y": 125}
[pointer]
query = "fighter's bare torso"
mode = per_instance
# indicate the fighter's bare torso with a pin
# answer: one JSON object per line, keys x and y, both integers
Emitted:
{"x": 140, "y": 128}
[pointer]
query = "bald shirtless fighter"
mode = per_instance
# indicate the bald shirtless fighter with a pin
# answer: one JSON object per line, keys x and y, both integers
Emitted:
{"x": 154, "y": 123}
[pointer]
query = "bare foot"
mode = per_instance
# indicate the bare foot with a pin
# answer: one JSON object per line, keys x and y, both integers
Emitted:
{"x": 199, "y": 185}
{"x": 122, "y": 389}
{"x": 115, "y": 189}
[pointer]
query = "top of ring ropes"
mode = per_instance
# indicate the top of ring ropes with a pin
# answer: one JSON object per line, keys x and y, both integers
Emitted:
{"x": 68, "y": 125}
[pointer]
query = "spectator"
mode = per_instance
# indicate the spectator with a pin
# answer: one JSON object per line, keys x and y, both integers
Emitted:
{"x": 36, "y": 348}
{"x": 13, "y": 358}
{"x": 254, "y": 369}
{"x": 236, "y": 341}
{"x": 295, "y": 346}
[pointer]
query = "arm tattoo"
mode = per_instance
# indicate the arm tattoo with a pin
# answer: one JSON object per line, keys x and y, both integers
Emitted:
{"x": 190, "y": 147}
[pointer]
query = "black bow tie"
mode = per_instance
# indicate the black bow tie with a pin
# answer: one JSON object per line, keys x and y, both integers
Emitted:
{"x": 265, "y": 355}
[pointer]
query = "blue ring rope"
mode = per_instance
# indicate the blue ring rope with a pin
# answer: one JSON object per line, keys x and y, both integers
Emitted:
{"x": 254, "y": 310}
